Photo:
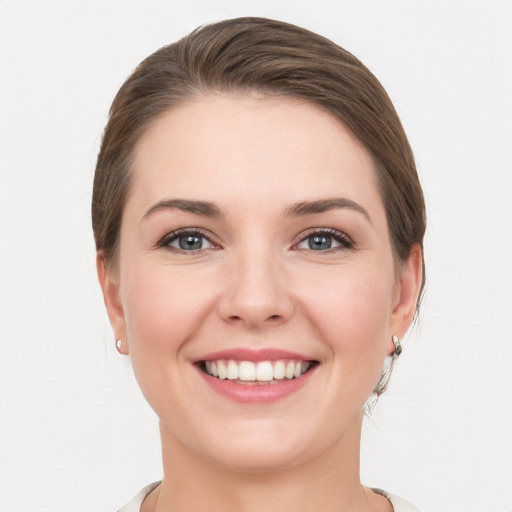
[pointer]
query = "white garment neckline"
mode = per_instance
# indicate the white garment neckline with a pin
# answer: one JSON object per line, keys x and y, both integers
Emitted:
{"x": 399, "y": 504}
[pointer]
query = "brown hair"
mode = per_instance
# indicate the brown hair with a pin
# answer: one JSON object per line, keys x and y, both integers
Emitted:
{"x": 273, "y": 58}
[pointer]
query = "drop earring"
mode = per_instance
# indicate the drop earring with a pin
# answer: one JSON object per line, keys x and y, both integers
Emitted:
{"x": 398, "y": 347}
{"x": 119, "y": 342}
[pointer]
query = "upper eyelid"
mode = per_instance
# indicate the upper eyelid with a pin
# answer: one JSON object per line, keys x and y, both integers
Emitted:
{"x": 325, "y": 231}
{"x": 172, "y": 235}
{"x": 346, "y": 242}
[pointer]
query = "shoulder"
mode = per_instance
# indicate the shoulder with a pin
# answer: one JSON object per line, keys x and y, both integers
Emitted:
{"x": 399, "y": 504}
{"x": 136, "y": 502}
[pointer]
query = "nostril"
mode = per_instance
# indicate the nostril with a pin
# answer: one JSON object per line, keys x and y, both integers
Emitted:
{"x": 274, "y": 319}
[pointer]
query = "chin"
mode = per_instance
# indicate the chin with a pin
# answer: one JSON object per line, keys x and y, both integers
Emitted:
{"x": 256, "y": 459}
{"x": 258, "y": 446}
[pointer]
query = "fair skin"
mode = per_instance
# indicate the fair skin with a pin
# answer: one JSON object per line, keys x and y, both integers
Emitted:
{"x": 284, "y": 246}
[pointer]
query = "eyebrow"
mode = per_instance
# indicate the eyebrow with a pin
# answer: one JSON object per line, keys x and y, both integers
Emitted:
{"x": 209, "y": 209}
{"x": 204, "y": 208}
{"x": 324, "y": 205}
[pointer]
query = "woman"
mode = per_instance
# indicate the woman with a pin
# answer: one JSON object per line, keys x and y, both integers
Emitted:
{"x": 259, "y": 225}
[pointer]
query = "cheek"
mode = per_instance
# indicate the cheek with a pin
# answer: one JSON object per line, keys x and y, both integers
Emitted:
{"x": 353, "y": 316}
{"x": 163, "y": 307}
{"x": 352, "y": 309}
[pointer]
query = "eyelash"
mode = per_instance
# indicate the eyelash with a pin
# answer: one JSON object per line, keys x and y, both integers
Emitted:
{"x": 191, "y": 232}
{"x": 340, "y": 237}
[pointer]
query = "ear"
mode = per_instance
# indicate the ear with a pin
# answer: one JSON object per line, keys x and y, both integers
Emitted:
{"x": 110, "y": 286}
{"x": 406, "y": 296}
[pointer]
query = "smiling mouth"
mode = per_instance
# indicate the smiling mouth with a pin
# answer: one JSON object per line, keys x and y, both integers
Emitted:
{"x": 256, "y": 373}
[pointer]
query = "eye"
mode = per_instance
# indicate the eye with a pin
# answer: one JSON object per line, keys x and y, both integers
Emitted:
{"x": 325, "y": 240}
{"x": 186, "y": 241}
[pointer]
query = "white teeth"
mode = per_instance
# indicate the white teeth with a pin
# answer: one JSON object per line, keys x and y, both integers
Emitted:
{"x": 247, "y": 371}
{"x": 223, "y": 371}
{"x": 232, "y": 373}
{"x": 289, "y": 372}
{"x": 279, "y": 372}
{"x": 264, "y": 371}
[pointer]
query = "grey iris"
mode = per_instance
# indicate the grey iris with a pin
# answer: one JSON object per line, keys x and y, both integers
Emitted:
{"x": 191, "y": 242}
{"x": 319, "y": 242}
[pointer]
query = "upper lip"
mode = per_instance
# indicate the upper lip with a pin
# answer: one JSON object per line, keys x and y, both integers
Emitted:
{"x": 244, "y": 354}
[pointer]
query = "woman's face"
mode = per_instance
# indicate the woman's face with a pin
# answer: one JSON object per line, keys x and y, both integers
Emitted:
{"x": 254, "y": 247}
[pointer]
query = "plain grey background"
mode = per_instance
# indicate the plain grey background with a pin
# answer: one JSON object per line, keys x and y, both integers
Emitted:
{"x": 75, "y": 433}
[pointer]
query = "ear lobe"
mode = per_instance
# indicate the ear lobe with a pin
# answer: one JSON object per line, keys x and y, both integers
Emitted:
{"x": 407, "y": 295}
{"x": 110, "y": 287}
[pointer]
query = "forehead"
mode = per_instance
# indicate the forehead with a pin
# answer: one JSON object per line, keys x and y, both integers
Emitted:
{"x": 223, "y": 147}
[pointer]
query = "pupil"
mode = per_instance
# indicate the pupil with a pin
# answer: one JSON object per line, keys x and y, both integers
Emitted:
{"x": 190, "y": 242}
{"x": 318, "y": 242}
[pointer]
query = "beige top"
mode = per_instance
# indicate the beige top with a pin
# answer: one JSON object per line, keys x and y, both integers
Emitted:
{"x": 399, "y": 505}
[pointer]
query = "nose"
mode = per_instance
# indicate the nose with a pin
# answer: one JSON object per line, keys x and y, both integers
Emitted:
{"x": 256, "y": 292}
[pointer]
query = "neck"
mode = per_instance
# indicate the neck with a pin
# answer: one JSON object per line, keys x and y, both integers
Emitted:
{"x": 329, "y": 482}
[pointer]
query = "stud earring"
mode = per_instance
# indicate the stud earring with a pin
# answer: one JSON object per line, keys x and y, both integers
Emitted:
{"x": 119, "y": 342}
{"x": 398, "y": 347}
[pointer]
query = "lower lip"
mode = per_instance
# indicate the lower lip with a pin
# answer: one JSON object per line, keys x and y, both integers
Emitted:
{"x": 256, "y": 393}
